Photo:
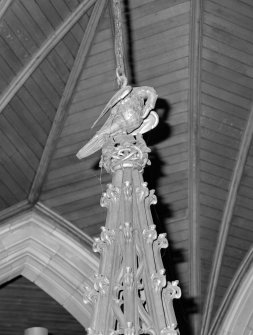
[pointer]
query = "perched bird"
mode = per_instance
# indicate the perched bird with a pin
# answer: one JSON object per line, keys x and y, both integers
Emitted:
{"x": 130, "y": 113}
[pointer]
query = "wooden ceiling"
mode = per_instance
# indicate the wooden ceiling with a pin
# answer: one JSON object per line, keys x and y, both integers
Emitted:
{"x": 57, "y": 71}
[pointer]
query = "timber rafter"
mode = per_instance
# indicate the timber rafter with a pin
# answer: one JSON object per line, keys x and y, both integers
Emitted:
{"x": 4, "y": 5}
{"x": 65, "y": 100}
{"x": 40, "y": 55}
{"x": 194, "y": 111}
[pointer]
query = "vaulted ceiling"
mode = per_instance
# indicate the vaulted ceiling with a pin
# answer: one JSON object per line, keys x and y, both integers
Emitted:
{"x": 57, "y": 72}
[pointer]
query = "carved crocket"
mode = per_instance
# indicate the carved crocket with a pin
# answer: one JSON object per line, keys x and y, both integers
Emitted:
{"x": 131, "y": 113}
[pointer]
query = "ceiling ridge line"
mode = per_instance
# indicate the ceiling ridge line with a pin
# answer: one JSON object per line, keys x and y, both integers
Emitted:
{"x": 193, "y": 134}
{"x": 40, "y": 55}
{"x": 65, "y": 100}
{"x": 225, "y": 222}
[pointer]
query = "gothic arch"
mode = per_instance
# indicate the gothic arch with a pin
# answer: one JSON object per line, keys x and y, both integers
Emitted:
{"x": 236, "y": 313}
{"x": 52, "y": 255}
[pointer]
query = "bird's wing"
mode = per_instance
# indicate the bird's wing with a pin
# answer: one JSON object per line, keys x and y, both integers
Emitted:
{"x": 98, "y": 140}
{"x": 92, "y": 146}
{"x": 119, "y": 95}
{"x": 149, "y": 123}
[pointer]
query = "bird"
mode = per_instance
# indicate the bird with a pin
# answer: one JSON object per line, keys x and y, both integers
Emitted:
{"x": 131, "y": 112}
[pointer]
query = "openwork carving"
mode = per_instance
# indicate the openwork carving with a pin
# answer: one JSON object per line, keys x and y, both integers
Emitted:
{"x": 131, "y": 293}
{"x": 124, "y": 151}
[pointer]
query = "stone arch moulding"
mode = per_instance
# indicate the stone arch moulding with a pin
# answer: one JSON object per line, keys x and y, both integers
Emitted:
{"x": 51, "y": 253}
{"x": 236, "y": 313}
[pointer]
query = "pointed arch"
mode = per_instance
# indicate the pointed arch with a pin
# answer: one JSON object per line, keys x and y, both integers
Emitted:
{"x": 51, "y": 255}
{"x": 235, "y": 315}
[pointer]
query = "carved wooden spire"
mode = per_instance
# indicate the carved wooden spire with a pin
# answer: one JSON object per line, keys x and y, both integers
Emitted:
{"x": 130, "y": 293}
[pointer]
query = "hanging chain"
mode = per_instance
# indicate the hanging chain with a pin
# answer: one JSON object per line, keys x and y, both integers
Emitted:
{"x": 119, "y": 48}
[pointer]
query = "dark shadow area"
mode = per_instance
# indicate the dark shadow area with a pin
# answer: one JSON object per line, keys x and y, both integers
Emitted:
{"x": 162, "y": 211}
{"x": 163, "y": 130}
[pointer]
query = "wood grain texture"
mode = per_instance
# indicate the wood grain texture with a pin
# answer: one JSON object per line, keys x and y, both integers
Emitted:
{"x": 41, "y": 53}
{"x": 26, "y": 310}
{"x": 226, "y": 97}
{"x": 65, "y": 101}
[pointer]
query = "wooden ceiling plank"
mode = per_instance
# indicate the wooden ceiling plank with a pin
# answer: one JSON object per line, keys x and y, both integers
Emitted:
{"x": 226, "y": 96}
{"x": 25, "y": 45}
{"x": 39, "y": 96}
{"x": 14, "y": 170}
{"x": 55, "y": 20}
{"x": 45, "y": 85}
{"x": 27, "y": 118}
{"x": 66, "y": 98}
{"x": 39, "y": 56}
{"x": 21, "y": 126}
{"x": 19, "y": 143}
{"x": 225, "y": 223}
{"x": 21, "y": 50}
{"x": 28, "y": 101}
{"x": 227, "y": 50}
{"x": 222, "y": 116}
{"x": 8, "y": 196}
{"x": 38, "y": 36}
{"x": 215, "y": 77}
{"x": 9, "y": 56}
{"x": 224, "y": 25}
{"x": 12, "y": 151}
{"x": 4, "y": 5}
{"x": 8, "y": 180}
{"x": 30, "y": 22}
{"x": 230, "y": 14}
{"x": 224, "y": 106}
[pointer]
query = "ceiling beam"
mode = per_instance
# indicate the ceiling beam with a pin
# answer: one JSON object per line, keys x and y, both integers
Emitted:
{"x": 65, "y": 100}
{"x": 193, "y": 180}
{"x": 40, "y": 55}
{"x": 225, "y": 222}
{"x": 4, "y": 5}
